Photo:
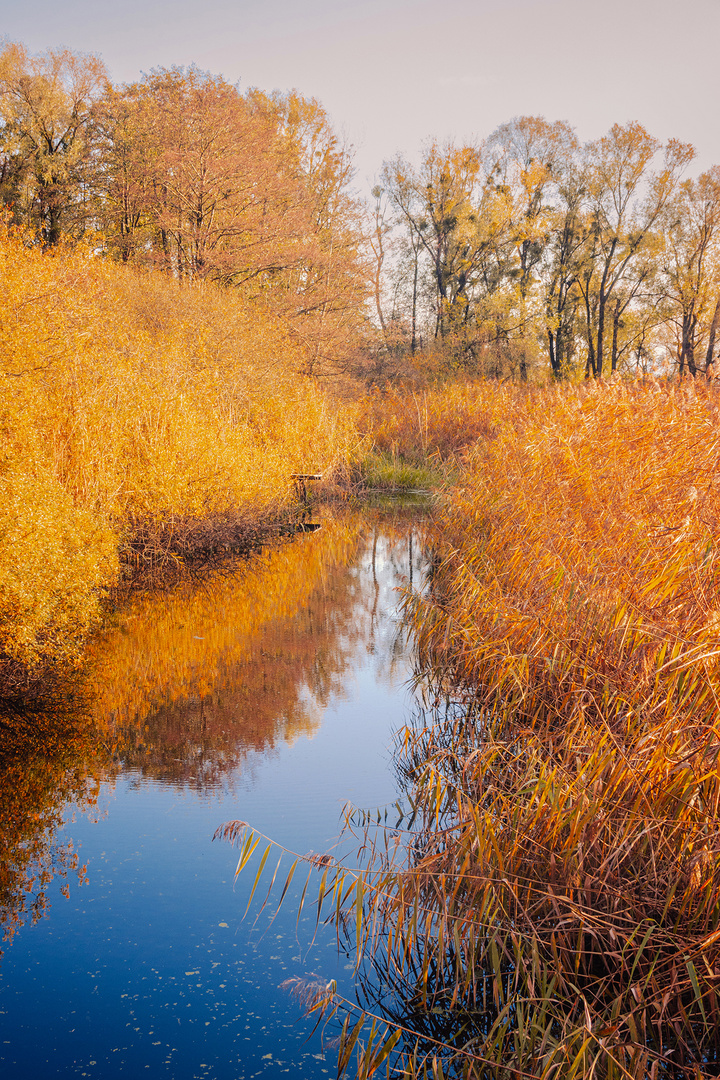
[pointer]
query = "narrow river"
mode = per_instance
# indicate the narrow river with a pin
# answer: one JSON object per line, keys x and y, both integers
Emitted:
{"x": 269, "y": 694}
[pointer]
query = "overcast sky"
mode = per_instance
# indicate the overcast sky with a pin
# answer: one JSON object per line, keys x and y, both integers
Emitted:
{"x": 392, "y": 73}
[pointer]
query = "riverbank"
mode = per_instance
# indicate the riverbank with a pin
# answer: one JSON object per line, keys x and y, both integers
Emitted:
{"x": 570, "y": 787}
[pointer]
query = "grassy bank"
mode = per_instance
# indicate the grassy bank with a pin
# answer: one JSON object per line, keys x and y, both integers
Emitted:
{"x": 141, "y": 421}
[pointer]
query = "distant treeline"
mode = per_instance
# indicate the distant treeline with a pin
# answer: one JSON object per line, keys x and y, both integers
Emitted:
{"x": 532, "y": 251}
{"x": 523, "y": 255}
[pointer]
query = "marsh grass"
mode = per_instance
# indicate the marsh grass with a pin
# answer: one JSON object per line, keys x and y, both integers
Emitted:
{"x": 390, "y": 472}
{"x": 435, "y": 425}
{"x": 555, "y": 908}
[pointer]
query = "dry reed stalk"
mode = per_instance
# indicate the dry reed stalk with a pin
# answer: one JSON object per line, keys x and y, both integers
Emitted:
{"x": 421, "y": 424}
{"x": 570, "y": 802}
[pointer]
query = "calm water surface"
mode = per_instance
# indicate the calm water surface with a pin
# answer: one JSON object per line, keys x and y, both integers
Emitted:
{"x": 270, "y": 695}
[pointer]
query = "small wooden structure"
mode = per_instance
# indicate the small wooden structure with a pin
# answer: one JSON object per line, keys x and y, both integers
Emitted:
{"x": 301, "y": 481}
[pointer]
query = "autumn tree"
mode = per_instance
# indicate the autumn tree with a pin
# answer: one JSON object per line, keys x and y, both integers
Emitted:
{"x": 532, "y": 244}
{"x": 249, "y": 191}
{"x": 459, "y": 222}
{"x": 46, "y": 138}
{"x": 562, "y": 265}
{"x": 691, "y": 271}
{"x": 188, "y": 157}
{"x": 533, "y": 162}
{"x": 328, "y": 288}
{"x": 626, "y": 199}
{"x": 128, "y": 148}
{"x": 530, "y": 158}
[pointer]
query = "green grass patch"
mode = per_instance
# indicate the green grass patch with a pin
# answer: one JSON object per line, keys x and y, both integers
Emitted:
{"x": 389, "y": 472}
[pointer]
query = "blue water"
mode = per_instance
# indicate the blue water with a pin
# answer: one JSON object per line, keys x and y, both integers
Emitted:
{"x": 150, "y": 968}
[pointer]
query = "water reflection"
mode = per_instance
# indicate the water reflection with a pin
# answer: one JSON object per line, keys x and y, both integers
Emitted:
{"x": 183, "y": 686}
{"x": 45, "y": 757}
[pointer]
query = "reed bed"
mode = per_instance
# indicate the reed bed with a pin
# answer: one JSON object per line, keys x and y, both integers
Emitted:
{"x": 570, "y": 791}
{"x": 141, "y": 422}
{"x": 438, "y": 424}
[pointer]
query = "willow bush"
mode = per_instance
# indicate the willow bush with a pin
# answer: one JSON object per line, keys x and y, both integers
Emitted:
{"x": 139, "y": 421}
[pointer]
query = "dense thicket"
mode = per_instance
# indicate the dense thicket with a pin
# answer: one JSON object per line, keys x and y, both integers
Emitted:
{"x": 176, "y": 257}
{"x": 135, "y": 424}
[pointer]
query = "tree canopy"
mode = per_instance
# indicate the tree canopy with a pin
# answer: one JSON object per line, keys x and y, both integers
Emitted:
{"x": 524, "y": 253}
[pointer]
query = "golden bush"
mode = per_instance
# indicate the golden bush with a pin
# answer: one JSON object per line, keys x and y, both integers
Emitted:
{"x": 132, "y": 405}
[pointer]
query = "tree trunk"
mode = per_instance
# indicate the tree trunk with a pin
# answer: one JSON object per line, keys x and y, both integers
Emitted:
{"x": 714, "y": 327}
{"x": 554, "y": 358}
{"x": 616, "y": 323}
{"x": 687, "y": 345}
{"x": 591, "y": 365}
{"x": 413, "y": 340}
{"x": 600, "y": 333}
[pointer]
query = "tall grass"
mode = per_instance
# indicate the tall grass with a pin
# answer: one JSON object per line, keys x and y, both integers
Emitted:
{"x": 138, "y": 421}
{"x": 580, "y": 567}
{"x": 440, "y": 423}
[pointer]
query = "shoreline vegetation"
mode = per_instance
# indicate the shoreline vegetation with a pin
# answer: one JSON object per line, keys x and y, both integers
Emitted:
{"x": 194, "y": 307}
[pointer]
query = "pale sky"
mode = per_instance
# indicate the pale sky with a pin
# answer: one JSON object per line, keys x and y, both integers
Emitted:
{"x": 392, "y": 74}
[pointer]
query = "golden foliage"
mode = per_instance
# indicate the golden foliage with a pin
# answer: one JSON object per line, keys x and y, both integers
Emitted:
{"x": 441, "y": 422}
{"x": 583, "y": 577}
{"x": 129, "y": 402}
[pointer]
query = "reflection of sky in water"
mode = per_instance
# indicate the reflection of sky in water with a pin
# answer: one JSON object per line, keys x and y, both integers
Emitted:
{"x": 149, "y": 969}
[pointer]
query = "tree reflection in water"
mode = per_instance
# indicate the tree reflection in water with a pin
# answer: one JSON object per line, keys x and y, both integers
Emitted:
{"x": 46, "y": 759}
{"x": 183, "y": 684}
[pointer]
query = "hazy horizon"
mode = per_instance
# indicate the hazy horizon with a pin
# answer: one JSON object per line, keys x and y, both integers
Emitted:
{"x": 395, "y": 74}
